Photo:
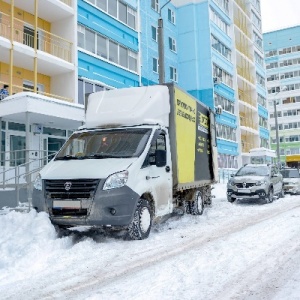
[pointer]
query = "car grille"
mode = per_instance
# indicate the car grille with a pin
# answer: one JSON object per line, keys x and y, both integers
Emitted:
{"x": 79, "y": 188}
{"x": 245, "y": 186}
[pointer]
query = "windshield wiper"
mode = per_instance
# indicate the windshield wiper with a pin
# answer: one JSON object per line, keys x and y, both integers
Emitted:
{"x": 66, "y": 157}
{"x": 101, "y": 155}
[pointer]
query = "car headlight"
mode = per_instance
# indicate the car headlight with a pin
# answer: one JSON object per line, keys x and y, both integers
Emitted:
{"x": 38, "y": 184}
{"x": 116, "y": 180}
{"x": 260, "y": 182}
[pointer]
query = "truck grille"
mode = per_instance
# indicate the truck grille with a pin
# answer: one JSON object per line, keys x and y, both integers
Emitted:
{"x": 71, "y": 189}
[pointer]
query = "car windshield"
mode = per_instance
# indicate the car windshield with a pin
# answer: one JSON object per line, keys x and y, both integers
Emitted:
{"x": 253, "y": 171}
{"x": 118, "y": 143}
{"x": 290, "y": 173}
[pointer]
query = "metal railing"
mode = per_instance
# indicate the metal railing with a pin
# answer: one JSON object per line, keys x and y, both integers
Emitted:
{"x": 47, "y": 41}
{"x": 16, "y": 175}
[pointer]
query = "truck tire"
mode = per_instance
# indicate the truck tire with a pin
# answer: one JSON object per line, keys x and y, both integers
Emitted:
{"x": 230, "y": 199}
{"x": 197, "y": 205}
{"x": 140, "y": 226}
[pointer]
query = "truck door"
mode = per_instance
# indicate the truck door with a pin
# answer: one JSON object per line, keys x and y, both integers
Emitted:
{"x": 160, "y": 178}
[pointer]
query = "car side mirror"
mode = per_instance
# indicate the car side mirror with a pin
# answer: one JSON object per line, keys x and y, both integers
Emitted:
{"x": 231, "y": 175}
{"x": 160, "y": 158}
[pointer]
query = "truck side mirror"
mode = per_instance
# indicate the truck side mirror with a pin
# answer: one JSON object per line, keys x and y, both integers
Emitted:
{"x": 160, "y": 158}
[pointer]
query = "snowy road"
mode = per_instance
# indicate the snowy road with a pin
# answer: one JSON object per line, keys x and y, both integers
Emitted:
{"x": 233, "y": 251}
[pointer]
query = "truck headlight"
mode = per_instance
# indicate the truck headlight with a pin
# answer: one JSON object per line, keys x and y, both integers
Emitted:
{"x": 38, "y": 184}
{"x": 116, "y": 180}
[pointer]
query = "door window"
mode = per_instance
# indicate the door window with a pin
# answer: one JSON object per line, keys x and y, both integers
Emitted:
{"x": 17, "y": 148}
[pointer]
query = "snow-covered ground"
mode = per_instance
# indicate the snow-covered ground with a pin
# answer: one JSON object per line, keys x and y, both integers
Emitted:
{"x": 232, "y": 251}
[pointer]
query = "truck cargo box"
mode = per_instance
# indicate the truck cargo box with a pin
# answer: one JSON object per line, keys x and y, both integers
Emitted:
{"x": 190, "y": 124}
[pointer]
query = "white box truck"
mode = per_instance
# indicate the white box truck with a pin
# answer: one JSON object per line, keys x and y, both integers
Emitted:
{"x": 143, "y": 153}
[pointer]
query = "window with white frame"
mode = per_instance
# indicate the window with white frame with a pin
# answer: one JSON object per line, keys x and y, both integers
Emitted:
{"x": 154, "y": 33}
{"x": 225, "y": 77}
{"x": 258, "y": 59}
{"x": 172, "y": 44}
{"x": 155, "y": 5}
{"x": 118, "y": 9}
{"x": 224, "y": 4}
{"x": 257, "y": 40}
{"x": 171, "y": 16}
{"x": 220, "y": 47}
{"x": 173, "y": 74}
{"x": 226, "y": 104}
{"x": 107, "y": 49}
{"x": 260, "y": 80}
{"x": 155, "y": 64}
{"x": 216, "y": 18}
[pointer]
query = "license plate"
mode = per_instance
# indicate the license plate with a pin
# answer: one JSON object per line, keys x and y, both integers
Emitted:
{"x": 66, "y": 204}
{"x": 244, "y": 191}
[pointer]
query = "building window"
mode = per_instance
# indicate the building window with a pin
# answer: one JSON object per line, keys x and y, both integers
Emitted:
{"x": 172, "y": 44}
{"x": 171, "y": 16}
{"x": 173, "y": 74}
{"x": 223, "y": 75}
{"x": 118, "y": 9}
{"x": 155, "y": 5}
{"x": 154, "y": 33}
{"x": 218, "y": 21}
{"x": 226, "y": 104}
{"x": 155, "y": 65}
{"x": 220, "y": 47}
{"x": 107, "y": 49}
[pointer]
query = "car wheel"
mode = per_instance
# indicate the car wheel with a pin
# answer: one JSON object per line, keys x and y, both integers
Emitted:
{"x": 270, "y": 196}
{"x": 197, "y": 205}
{"x": 141, "y": 223}
{"x": 230, "y": 199}
{"x": 281, "y": 194}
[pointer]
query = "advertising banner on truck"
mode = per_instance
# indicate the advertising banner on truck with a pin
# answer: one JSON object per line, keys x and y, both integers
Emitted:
{"x": 193, "y": 139}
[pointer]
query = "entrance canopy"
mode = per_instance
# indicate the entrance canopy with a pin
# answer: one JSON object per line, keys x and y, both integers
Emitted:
{"x": 41, "y": 110}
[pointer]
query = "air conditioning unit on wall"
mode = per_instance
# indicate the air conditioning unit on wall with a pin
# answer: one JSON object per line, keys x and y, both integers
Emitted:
{"x": 217, "y": 80}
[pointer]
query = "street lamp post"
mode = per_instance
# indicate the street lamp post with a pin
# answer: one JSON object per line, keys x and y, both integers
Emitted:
{"x": 284, "y": 88}
{"x": 277, "y": 133}
{"x": 161, "y": 54}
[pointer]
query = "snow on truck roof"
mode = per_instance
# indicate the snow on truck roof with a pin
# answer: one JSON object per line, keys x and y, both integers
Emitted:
{"x": 129, "y": 106}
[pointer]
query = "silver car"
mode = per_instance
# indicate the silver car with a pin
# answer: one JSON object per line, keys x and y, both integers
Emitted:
{"x": 255, "y": 182}
{"x": 291, "y": 180}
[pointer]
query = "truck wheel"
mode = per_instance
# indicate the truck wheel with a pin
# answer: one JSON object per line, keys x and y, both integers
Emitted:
{"x": 230, "y": 199}
{"x": 141, "y": 223}
{"x": 197, "y": 205}
{"x": 269, "y": 197}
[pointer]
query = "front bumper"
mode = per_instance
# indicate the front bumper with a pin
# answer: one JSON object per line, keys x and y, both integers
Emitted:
{"x": 291, "y": 189}
{"x": 250, "y": 194}
{"x": 108, "y": 208}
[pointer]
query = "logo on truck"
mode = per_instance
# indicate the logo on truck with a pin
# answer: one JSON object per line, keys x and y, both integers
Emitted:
{"x": 68, "y": 185}
{"x": 203, "y": 123}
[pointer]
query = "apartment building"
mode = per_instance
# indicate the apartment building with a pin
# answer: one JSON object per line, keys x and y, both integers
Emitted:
{"x": 282, "y": 58}
{"x": 38, "y": 62}
{"x": 215, "y": 48}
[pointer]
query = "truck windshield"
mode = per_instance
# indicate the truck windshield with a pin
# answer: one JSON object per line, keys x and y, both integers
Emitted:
{"x": 290, "y": 173}
{"x": 255, "y": 171}
{"x": 118, "y": 143}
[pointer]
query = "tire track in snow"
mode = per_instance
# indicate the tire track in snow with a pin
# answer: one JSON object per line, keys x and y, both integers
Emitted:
{"x": 105, "y": 278}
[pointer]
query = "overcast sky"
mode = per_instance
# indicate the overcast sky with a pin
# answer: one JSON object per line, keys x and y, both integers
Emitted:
{"x": 277, "y": 14}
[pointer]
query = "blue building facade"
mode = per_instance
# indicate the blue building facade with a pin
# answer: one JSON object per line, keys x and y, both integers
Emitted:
{"x": 108, "y": 45}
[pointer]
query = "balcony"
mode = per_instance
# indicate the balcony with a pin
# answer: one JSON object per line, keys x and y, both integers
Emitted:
{"x": 242, "y": 5}
{"x": 46, "y": 41}
{"x": 246, "y": 97}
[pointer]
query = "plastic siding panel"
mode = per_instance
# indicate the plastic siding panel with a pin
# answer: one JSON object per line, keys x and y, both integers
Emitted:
{"x": 222, "y": 62}
{"x": 260, "y": 70}
{"x": 227, "y": 147}
{"x": 261, "y": 90}
{"x": 281, "y": 38}
{"x": 227, "y": 119}
{"x": 225, "y": 91}
{"x": 262, "y": 111}
{"x": 96, "y": 69}
{"x": 264, "y": 133}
